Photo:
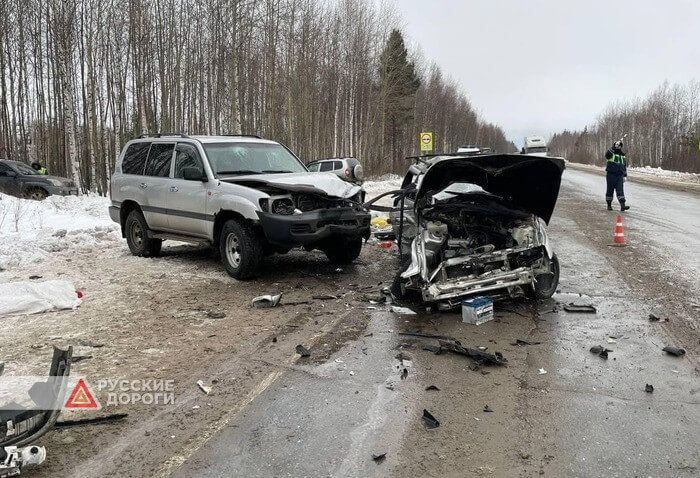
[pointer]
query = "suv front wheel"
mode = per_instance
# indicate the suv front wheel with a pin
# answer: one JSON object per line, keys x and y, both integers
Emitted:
{"x": 136, "y": 231}
{"x": 241, "y": 250}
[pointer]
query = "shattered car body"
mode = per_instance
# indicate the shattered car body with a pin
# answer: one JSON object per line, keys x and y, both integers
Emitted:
{"x": 476, "y": 225}
{"x": 21, "y": 426}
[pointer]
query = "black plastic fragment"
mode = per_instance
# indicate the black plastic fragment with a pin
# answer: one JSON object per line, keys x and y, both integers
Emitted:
{"x": 432, "y": 348}
{"x": 429, "y": 335}
{"x": 432, "y": 387}
{"x": 378, "y": 457}
{"x": 429, "y": 420}
{"x": 92, "y": 421}
{"x": 475, "y": 354}
{"x": 649, "y": 388}
{"x": 404, "y": 373}
{"x": 580, "y": 308}
{"x": 301, "y": 350}
{"x": 653, "y": 318}
{"x": 487, "y": 408}
{"x": 524, "y": 342}
{"x": 675, "y": 351}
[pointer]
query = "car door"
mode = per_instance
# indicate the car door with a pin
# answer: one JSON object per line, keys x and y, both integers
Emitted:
{"x": 157, "y": 181}
{"x": 9, "y": 183}
{"x": 187, "y": 199}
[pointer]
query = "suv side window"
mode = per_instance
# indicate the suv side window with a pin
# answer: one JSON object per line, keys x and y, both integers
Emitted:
{"x": 327, "y": 166}
{"x": 159, "y": 158}
{"x": 135, "y": 158}
{"x": 337, "y": 165}
{"x": 313, "y": 167}
{"x": 186, "y": 156}
{"x": 4, "y": 169}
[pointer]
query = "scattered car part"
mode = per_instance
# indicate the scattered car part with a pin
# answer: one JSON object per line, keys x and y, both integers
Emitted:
{"x": 477, "y": 355}
{"x": 80, "y": 358}
{"x": 378, "y": 457}
{"x": 675, "y": 351}
{"x": 214, "y": 314}
{"x": 542, "y": 371}
{"x": 487, "y": 408}
{"x": 429, "y": 420}
{"x": 649, "y": 388}
{"x": 432, "y": 387}
{"x": 268, "y": 300}
{"x": 404, "y": 374}
{"x": 653, "y": 318}
{"x": 401, "y": 310}
{"x": 519, "y": 342}
{"x": 303, "y": 351}
{"x": 14, "y": 459}
{"x": 428, "y": 335}
{"x": 92, "y": 421}
{"x": 477, "y": 310}
{"x": 580, "y": 308}
{"x": 204, "y": 388}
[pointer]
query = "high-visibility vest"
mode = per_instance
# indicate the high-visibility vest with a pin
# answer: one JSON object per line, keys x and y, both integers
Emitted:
{"x": 41, "y": 170}
{"x": 618, "y": 158}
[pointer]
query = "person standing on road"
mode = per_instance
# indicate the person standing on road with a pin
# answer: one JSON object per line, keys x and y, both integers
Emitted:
{"x": 39, "y": 168}
{"x": 616, "y": 172}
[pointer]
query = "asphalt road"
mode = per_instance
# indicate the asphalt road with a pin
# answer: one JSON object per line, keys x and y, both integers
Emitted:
{"x": 586, "y": 416}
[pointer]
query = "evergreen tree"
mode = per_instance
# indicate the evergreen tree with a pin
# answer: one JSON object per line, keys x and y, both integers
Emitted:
{"x": 398, "y": 83}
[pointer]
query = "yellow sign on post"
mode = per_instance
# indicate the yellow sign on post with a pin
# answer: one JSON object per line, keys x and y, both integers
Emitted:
{"x": 426, "y": 142}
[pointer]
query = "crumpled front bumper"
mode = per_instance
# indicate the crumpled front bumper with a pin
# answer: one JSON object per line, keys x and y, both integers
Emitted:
{"x": 498, "y": 280}
{"x": 315, "y": 227}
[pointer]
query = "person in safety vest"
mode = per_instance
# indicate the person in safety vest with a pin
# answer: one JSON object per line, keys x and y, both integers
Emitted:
{"x": 616, "y": 170}
{"x": 39, "y": 168}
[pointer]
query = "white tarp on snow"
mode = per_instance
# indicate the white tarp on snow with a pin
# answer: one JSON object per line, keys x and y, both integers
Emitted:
{"x": 19, "y": 298}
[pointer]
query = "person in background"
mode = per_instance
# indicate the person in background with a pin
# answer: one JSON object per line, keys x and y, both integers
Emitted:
{"x": 39, "y": 168}
{"x": 616, "y": 172}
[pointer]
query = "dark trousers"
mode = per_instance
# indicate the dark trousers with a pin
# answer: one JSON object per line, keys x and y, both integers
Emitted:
{"x": 616, "y": 183}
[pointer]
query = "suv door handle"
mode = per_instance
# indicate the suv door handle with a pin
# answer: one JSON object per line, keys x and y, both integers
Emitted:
{"x": 143, "y": 185}
{"x": 173, "y": 189}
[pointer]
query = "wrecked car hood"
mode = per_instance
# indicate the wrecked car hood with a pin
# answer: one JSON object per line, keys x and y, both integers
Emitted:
{"x": 318, "y": 183}
{"x": 523, "y": 182}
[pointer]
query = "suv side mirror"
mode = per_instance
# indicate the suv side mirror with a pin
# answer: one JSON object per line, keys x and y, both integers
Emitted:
{"x": 193, "y": 174}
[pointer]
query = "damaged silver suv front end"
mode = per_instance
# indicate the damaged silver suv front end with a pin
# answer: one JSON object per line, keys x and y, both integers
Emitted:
{"x": 476, "y": 225}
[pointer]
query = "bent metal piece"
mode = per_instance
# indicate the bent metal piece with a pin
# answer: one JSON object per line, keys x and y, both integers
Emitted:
{"x": 22, "y": 427}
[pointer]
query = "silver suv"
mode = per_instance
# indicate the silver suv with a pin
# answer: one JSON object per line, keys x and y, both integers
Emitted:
{"x": 247, "y": 196}
{"x": 347, "y": 169}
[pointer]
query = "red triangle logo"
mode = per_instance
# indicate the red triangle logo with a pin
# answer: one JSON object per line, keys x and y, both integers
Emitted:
{"x": 81, "y": 397}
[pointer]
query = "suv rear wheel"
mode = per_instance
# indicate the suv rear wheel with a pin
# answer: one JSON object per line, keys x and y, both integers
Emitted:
{"x": 136, "y": 231}
{"x": 241, "y": 250}
{"x": 37, "y": 194}
{"x": 344, "y": 251}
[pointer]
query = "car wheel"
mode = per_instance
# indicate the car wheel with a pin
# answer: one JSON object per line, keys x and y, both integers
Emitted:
{"x": 36, "y": 194}
{"x": 136, "y": 232}
{"x": 546, "y": 284}
{"x": 344, "y": 251}
{"x": 241, "y": 250}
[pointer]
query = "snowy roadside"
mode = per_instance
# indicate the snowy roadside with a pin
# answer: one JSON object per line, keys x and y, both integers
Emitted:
{"x": 31, "y": 230}
{"x": 649, "y": 175}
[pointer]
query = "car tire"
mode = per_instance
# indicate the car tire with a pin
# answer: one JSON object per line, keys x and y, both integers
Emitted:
{"x": 36, "y": 194}
{"x": 136, "y": 231}
{"x": 546, "y": 284}
{"x": 241, "y": 250}
{"x": 344, "y": 251}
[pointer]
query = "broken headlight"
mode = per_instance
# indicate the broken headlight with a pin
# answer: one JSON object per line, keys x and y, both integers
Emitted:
{"x": 282, "y": 206}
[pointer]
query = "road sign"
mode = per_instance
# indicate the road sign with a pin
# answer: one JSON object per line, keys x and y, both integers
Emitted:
{"x": 426, "y": 142}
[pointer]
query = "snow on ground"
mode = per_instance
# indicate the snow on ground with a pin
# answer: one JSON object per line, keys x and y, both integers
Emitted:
{"x": 31, "y": 230}
{"x": 665, "y": 173}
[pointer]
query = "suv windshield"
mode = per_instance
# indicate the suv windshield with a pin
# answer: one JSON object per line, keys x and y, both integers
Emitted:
{"x": 251, "y": 158}
{"x": 23, "y": 168}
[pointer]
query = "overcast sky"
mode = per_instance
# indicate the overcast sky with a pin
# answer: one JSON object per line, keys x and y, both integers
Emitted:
{"x": 539, "y": 66}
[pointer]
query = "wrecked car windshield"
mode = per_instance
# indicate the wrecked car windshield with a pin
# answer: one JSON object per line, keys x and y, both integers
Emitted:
{"x": 251, "y": 158}
{"x": 24, "y": 169}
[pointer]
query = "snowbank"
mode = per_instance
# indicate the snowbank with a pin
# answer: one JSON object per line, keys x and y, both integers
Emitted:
{"x": 31, "y": 230}
{"x": 665, "y": 173}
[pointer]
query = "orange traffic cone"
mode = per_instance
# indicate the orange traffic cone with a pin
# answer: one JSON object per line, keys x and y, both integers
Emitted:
{"x": 619, "y": 236}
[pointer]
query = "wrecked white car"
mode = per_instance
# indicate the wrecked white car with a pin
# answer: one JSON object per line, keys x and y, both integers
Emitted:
{"x": 476, "y": 225}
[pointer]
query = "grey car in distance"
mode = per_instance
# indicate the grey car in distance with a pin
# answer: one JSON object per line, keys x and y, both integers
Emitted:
{"x": 19, "y": 179}
{"x": 347, "y": 169}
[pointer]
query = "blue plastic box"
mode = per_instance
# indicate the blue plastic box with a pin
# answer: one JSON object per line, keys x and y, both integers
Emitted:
{"x": 477, "y": 310}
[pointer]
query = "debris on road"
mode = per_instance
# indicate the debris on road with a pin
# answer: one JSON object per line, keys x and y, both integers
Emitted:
{"x": 35, "y": 277}
{"x": 519, "y": 342}
{"x": 378, "y": 457}
{"x": 213, "y": 314}
{"x": 404, "y": 374}
{"x": 30, "y": 297}
{"x": 542, "y": 371}
{"x": 325, "y": 297}
{"x": 649, "y": 388}
{"x": 402, "y": 310}
{"x": 432, "y": 348}
{"x": 600, "y": 351}
{"x": 14, "y": 459}
{"x": 301, "y": 350}
{"x": 432, "y": 387}
{"x": 76, "y": 359}
{"x": 653, "y": 318}
{"x": 477, "y": 310}
{"x": 429, "y": 420}
{"x": 427, "y": 335}
{"x": 475, "y": 354}
{"x": 675, "y": 351}
{"x": 487, "y": 408}
{"x": 203, "y": 388}
{"x": 92, "y": 421}
{"x": 266, "y": 301}
{"x": 274, "y": 340}
{"x": 580, "y": 308}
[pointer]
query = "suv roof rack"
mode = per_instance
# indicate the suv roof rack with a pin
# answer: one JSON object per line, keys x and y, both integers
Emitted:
{"x": 159, "y": 135}
{"x": 242, "y": 135}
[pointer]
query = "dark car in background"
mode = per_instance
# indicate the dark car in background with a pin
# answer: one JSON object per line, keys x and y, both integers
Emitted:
{"x": 347, "y": 169}
{"x": 19, "y": 179}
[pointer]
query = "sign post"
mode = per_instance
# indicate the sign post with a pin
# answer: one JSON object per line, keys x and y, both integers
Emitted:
{"x": 426, "y": 142}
